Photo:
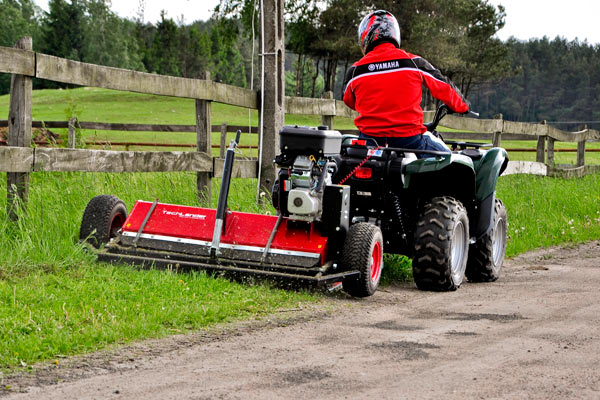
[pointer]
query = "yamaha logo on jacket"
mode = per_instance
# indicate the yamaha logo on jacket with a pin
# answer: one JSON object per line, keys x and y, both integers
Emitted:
{"x": 385, "y": 88}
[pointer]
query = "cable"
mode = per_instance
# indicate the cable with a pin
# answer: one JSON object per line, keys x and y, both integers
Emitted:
{"x": 369, "y": 155}
{"x": 262, "y": 96}
{"x": 251, "y": 77}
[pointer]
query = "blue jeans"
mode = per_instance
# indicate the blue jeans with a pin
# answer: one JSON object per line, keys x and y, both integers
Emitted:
{"x": 417, "y": 142}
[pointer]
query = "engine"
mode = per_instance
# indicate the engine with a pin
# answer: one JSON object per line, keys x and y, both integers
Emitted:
{"x": 306, "y": 182}
{"x": 307, "y": 163}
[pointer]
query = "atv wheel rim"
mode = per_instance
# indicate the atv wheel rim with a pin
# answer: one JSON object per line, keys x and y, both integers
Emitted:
{"x": 498, "y": 242}
{"x": 376, "y": 261}
{"x": 457, "y": 255}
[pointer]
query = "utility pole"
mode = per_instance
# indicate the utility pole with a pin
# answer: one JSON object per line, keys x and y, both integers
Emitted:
{"x": 273, "y": 88}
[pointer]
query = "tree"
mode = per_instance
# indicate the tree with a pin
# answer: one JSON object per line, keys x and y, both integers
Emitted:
{"x": 108, "y": 39}
{"x": 302, "y": 34}
{"x": 19, "y": 18}
{"x": 457, "y": 36}
{"x": 228, "y": 62}
{"x": 337, "y": 36}
{"x": 194, "y": 51}
{"x": 555, "y": 81}
{"x": 63, "y": 29}
{"x": 165, "y": 52}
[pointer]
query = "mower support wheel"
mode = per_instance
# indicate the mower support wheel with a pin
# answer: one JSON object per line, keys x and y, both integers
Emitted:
{"x": 441, "y": 245}
{"x": 363, "y": 251}
{"x": 486, "y": 255}
{"x": 102, "y": 219}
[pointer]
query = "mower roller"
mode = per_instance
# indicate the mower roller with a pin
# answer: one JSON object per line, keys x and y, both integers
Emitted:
{"x": 190, "y": 238}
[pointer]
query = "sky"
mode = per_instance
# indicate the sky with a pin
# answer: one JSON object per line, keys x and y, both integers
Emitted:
{"x": 571, "y": 19}
{"x": 525, "y": 18}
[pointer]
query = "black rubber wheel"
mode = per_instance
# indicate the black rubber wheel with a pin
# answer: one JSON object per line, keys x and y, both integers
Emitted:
{"x": 363, "y": 251}
{"x": 441, "y": 245}
{"x": 486, "y": 255}
{"x": 102, "y": 219}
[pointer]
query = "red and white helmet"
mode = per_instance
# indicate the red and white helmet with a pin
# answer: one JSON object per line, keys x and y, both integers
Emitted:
{"x": 378, "y": 27}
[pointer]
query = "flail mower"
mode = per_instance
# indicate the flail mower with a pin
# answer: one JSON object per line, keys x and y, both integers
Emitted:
{"x": 340, "y": 202}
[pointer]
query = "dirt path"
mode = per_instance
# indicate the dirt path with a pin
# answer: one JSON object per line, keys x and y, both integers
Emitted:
{"x": 533, "y": 334}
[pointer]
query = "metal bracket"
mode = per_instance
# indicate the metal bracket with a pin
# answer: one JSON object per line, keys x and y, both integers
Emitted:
{"x": 270, "y": 241}
{"x": 139, "y": 233}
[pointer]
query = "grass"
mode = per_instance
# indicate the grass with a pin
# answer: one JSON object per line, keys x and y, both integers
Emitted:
{"x": 87, "y": 307}
{"x": 545, "y": 212}
{"x": 56, "y": 300}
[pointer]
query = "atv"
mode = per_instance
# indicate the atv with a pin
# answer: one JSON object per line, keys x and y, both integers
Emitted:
{"x": 440, "y": 210}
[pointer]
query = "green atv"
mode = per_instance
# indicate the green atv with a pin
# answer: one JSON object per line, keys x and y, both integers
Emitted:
{"x": 441, "y": 210}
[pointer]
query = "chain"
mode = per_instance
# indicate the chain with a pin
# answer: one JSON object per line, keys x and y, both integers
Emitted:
{"x": 369, "y": 155}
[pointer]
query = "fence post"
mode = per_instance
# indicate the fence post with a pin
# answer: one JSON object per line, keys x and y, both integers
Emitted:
{"x": 496, "y": 136}
{"x": 541, "y": 147}
{"x": 274, "y": 91}
{"x": 327, "y": 119}
{"x": 72, "y": 143}
{"x": 203, "y": 142}
{"x": 581, "y": 153}
{"x": 19, "y": 133}
{"x": 223, "y": 140}
{"x": 550, "y": 161}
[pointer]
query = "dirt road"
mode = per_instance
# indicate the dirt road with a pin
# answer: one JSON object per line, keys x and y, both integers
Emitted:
{"x": 533, "y": 334}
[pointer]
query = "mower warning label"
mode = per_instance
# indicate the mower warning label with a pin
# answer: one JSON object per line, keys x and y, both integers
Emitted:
{"x": 375, "y": 153}
{"x": 184, "y": 215}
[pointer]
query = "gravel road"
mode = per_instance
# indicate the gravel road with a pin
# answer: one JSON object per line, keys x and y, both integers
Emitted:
{"x": 533, "y": 334}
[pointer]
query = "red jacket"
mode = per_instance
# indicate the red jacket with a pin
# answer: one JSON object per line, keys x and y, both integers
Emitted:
{"x": 385, "y": 87}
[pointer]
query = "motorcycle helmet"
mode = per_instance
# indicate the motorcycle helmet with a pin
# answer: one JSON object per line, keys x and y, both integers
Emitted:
{"x": 378, "y": 27}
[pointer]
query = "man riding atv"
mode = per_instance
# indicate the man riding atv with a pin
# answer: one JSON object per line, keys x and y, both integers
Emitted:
{"x": 385, "y": 88}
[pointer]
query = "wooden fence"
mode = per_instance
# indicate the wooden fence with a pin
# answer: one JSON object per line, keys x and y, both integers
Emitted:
{"x": 19, "y": 158}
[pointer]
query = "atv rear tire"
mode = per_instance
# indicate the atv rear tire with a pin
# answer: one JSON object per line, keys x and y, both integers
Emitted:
{"x": 441, "y": 245}
{"x": 363, "y": 251}
{"x": 102, "y": 219}
{"x": 486, "y": 255}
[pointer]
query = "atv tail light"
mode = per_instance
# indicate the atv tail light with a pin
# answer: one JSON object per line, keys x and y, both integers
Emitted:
{"x": 364, "y": 173}
{"x": 359, "y": 142}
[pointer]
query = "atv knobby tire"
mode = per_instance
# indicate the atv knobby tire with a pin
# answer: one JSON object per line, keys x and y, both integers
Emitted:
{"x": 486, "y": 255}
{"x": 441, "y": 245}
{"x": 363, "y": 251}
{"x": 102, "y": 219}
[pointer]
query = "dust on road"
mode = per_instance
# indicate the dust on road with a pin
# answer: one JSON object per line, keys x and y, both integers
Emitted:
{"x": 533, "y": 334}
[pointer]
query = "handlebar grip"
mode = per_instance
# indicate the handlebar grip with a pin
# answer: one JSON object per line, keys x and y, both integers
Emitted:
{"x": 238, "y": 134}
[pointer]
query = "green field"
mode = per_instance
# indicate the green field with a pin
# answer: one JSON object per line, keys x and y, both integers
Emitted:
{"x": 55, "y": 300}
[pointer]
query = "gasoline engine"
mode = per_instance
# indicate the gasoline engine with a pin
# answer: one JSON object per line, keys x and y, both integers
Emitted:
{"x": 304, "y": 190}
